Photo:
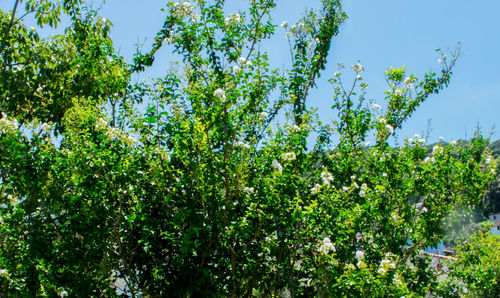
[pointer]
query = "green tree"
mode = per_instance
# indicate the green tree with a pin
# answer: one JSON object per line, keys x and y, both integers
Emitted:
{"x": 41, "y": 77}
{"x": 476, "y": 272}
{"x": 192, "y": 186}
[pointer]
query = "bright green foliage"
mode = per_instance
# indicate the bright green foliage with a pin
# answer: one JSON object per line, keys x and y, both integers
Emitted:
{"x": 40, "y": 77}
{"x": 476, "y": 272}
{"x": 191, "y": 186}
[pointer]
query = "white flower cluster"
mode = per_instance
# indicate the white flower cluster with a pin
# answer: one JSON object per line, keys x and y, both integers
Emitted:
{"x": 297, "y": 30}
{"x": 184, "y": 9}
{"x": 316, "y": 189}
{"x": 248, "y": 190}
{"x": 359, "y": 256}
{"x": 114, "y": 133}
{"x": 389, "y": 128}
{"x": 385, "y": 265}
{"x": 277, "y": 166}
{"x": 358, "y": 67}
{"x": 4, "y": 273}
{"x": 409, "y": 81}
{"x": 326, "y": 246}
{"x": 7, "y": 125}
{"x": 376, "y": 106}
{"x": 243, "y": 62}
{"x": 429, "y": 159}
{"x": 219, "y": 93}
{"x": 326, "y": 177}
{"x": 437, "y": 150}
{"x": 233, "y": 19}
{"x": 170, "y": 38}
{"x": 289, "y": 156}
{"x": 242, "y": 144}
{"x": 263, "y": 115}
{"x": 363, "y": 190}
{"x": 416, "y": 139}
{"x": 419, "y": 207}
{"x": 236, "y": 69}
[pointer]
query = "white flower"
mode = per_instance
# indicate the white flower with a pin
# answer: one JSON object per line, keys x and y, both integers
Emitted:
{"x": 233, "y": 19}
{"x": 389, "y": 128}
{"x": 336, "y": 74}
{"x": 182, "y": 9}
{"x": 363, "y": 190}
{"x": 327, "y": 246}
{"x": 242, "y": 145}
{"x": 384, "y": 174}
{"x": 132, "y": 140}
{"x": 409, "y": 81}
{"x": 358, "y": 67}
{"x": 316, "y": 189}
{"x": 359, "y": 77}
{"x": 248, "y": 190}
{"x": 359, "y": 255}
{"x": 429, "y": 160}
{"x": 236, "y": 69}
{"x": 454, "y": 142}
{"x": 277, "y": 166}
{"x": 263, "y": 115}
{"x": 241, "y": 61}
{"x": 437, "y": 150}
{"x": 376, "y": 106}
{"x": 284, "y": 24}
{"x": 8, "y": 125}
{"x": 382, "y": 120}
{"x": 220, "y": 94}
{"x": 327, "y": 177}
{"x": 289, "y": 156}
{"x": 345, "y": 188}
{"x": 424, "y": 209}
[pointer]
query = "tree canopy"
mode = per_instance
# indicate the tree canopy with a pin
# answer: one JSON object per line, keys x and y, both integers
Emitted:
{"x": 217, "y": 178}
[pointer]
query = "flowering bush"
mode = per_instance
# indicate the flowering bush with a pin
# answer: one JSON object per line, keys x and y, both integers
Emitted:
{"x": 191, "y": 186}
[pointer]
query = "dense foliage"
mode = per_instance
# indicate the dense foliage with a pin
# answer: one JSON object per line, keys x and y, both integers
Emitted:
{"x": 215, "y": 179}
{"x": 476, "y": 271}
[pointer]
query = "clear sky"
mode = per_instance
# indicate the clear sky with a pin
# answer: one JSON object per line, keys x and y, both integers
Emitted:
{"x": 380, "y": 34}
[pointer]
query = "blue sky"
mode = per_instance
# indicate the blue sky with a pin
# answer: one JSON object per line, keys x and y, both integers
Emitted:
{"x": 379, "y": 34}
